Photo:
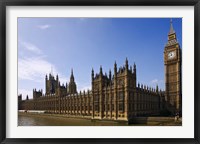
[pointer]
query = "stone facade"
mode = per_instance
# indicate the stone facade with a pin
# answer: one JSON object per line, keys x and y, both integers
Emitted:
{"x": 114, "y": 96}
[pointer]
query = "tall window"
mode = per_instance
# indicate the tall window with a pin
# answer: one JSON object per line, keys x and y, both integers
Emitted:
{"x": 96, "y": 108}
{"x": 121, "y": 106}
{"x": 108, "y": 107}
{"x": 112, "y": 107}
{"x": 121, "y": 96}
{"x": 96, "y": 98}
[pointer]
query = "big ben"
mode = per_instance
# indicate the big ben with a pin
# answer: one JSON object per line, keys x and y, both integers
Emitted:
{"x": 172, "y": 62}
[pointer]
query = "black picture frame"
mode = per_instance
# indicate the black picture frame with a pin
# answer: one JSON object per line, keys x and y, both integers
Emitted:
{"x": 5, "y": 3}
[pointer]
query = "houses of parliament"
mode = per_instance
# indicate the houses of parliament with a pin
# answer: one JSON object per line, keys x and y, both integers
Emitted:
{"x": 116, "y": 96}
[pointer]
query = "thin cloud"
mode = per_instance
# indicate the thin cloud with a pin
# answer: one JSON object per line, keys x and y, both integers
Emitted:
{"x": 156, "y": 81}
{"x": 84, "y": 87}
{"x": 44, "y": 26}
{"x": 35, "y": 69}
{"x": 30, "y": 47}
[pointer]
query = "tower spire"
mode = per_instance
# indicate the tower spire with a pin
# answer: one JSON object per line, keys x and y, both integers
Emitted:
{"x": 171, "y": 30}
{"x": 92, "y": 73}
{"x": 101, "y": 71}
{"x": 72, "y": 76}
{"x": 171, "y": 36}
{"x": 126, "y": 63}
{"x": 72, "y": 71}
{"x": 115, "y": 68}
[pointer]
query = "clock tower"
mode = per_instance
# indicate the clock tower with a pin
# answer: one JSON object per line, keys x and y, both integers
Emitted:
{"x": 172, "y": 62}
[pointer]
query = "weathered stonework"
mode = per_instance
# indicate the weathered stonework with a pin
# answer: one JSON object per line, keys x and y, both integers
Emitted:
{"x": 173, "y": 67}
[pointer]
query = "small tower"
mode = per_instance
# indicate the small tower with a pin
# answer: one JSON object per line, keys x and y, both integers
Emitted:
{"x": 134, "y": 69}
{"x": 57, "y": 81}
{"x": 110, "y": 75}
{"x": 72, "y": 76}
{"x": 157, "y": 88}
{"x": 57, "y": 77}
{"x": 92, "y": 74}
{"x": 101, "y": 71}
{"x": 27, "y": 98}
{"x": 72, "y": 85}
{"x": 46, "y": 83}
{"x": 115, "y": 69}
{"x": 126, "y": 64}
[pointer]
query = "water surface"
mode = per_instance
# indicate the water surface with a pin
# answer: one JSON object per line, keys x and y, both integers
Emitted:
{"x": 28, "y": 120}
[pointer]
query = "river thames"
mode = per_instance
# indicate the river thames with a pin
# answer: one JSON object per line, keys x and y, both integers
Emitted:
{"x": 62, "y": 120}
{"x": 33, "y": 120}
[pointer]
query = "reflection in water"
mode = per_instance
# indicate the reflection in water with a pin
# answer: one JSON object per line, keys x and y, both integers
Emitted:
{"x": 27, "y": 120}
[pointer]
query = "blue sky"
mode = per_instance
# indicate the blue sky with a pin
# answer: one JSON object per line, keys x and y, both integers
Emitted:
{"x": 61, "y": 44}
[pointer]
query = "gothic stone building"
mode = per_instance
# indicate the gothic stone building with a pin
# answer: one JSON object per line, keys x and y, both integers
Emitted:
{"x": 116, "y": 96}
{"x": 173, "y": 81}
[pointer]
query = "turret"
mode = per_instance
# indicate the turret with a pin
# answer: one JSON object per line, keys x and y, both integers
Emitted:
{"x": 126, "y": 64}
{"x": 57, "y": 81}
{"x": 72, "y": 84}
{"x": 49, "y": 76}
{"x": 157, "y": 88}
{"x": 72, "y": 76}
{"x": 92, "y": 74}
{"x": 110, "y": 74}
{"x": 27, "y": 97}
{"x": 134, "y": 69}
{"x": 57, "y": 77}
{"x": 115, "y": 68}
{"x": 101, "y": 71}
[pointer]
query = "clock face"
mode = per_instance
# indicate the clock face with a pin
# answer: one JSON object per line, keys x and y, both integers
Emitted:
{"x": 171, "y": 55}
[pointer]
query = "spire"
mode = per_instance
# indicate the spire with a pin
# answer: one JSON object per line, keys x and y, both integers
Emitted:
{"x": 57, "y": 77}
{"x": 92, "y": 73}
{"x": 134, "y": 68}
{"x": 126, "y": 63}
{"x": 110, "y": 74}
{"x": 157, "y": 88}
{"x": 171, "y": 36}
{"x": 27, "y": 98}
{"x": 72, "y": 71}
{"x": 72, "y": 75}
{"x": 115, "y": 67}
{"x": 101, "y": 71}
{"x": 171, "y": 31}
